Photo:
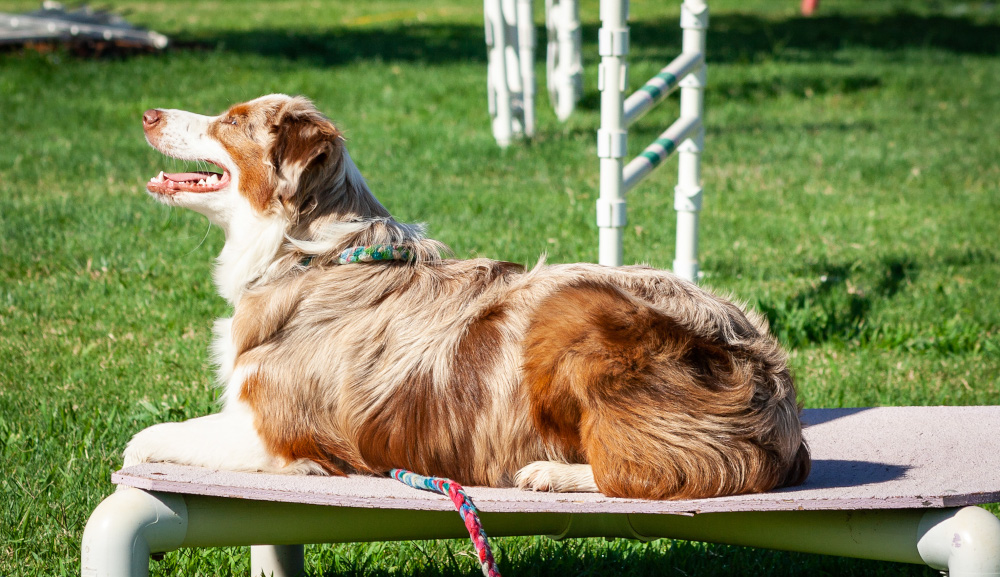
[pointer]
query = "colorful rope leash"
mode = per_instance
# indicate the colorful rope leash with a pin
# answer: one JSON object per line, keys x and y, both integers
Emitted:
{"x": 466, "y": 509}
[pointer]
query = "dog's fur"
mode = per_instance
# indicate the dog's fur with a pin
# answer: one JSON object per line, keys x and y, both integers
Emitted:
{"x": 629, "y": 381}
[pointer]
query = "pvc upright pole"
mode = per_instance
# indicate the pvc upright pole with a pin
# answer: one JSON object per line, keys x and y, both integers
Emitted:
{"x": 564, "y": 62}
{"x": 498, "y": 89}
{"x": 526, "y": 62}
{"x": 613, "y": 46}
{"x": 688, "y": 192}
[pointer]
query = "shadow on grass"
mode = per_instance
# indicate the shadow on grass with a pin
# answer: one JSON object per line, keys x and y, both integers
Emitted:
{"x": 801, "y": 86}
{"x": 540, "y": 556}
{"x": 804, "y": 86}
{"x": 732, "y": 37}
{"x": 835, "y": 308}
{"x": 427, "y": 43}
{"x": 746, "y": 37}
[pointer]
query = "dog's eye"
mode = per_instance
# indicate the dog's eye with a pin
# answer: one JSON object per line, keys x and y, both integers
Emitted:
{"x": 234, "y": 122}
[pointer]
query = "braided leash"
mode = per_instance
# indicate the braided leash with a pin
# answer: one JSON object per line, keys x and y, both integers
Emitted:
{"x": 466, "y": 509}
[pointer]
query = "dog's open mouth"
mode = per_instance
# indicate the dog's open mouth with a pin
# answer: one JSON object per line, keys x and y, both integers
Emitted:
{"x": 200, "y": 181}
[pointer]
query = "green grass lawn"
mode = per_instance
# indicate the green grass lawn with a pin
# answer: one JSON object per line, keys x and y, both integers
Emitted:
{"x": 850, "y": 170}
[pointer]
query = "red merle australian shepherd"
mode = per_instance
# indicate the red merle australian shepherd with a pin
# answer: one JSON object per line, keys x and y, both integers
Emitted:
{"x": 629, "y": 381}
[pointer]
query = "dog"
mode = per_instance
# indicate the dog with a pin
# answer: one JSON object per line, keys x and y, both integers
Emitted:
{"x": 629, "y": 381}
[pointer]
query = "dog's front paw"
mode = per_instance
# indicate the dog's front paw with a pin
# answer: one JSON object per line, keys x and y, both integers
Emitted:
{"x": 133, "y": 456}
{"x": 556, "y": 477}
{"x": 143, "y": 447}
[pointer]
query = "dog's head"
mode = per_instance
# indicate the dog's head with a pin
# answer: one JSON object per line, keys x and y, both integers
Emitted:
{"x": 278, "y": 156}
{"x": 286, "y": 188}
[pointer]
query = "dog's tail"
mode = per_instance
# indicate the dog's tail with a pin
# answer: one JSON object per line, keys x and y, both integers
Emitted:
{"x": 659, "y": 410}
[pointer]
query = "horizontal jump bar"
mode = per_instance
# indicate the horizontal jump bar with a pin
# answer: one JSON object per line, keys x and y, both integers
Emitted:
{"x": 641, "y": 166}
{"x": 658, "y": 87}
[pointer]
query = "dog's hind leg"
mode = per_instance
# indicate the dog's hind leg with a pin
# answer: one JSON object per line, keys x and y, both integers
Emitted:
{"x": 657, "y": 410}
{"x": 556, "y": 477}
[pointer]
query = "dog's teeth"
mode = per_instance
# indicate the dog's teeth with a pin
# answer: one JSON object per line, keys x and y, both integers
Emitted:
{"x": 202, "y": 182}
{"x": 213, "y": 179}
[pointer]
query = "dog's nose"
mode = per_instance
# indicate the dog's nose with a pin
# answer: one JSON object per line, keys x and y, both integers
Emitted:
{"x": 150, "y": 118}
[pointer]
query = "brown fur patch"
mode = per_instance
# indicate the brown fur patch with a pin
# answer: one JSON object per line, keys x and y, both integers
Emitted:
{"x": 428, "y": 424}
{"x": 658, "y": 411}
{"x": 241, "y": 132}
{"x": 284, "y": 432}
{"x": 799, "y": 469}
{"x": 302, "y": 139}
{"x": 419, "y": 430}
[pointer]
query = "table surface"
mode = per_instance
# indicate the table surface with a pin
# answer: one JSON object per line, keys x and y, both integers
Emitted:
{"x": 867, "y": 458}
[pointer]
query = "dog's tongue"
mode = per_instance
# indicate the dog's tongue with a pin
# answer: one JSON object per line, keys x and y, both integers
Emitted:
{"x": 185, "y": 176}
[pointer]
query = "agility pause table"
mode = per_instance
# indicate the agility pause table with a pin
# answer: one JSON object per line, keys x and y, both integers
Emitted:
{"x": 893, "y": 483}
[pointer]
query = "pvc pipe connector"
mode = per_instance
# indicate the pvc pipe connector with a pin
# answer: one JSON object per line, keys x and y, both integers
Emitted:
{"x": 612, "y": 42}
{"x": 612, "y": 143}
{"x": 697, "y": 78}
{"x": 965, "y": 542}
{"x": 611, "y": 213}
{"x": 694, "y": 15}
{"x": 687, "y": 198}
{"x": 126, "y": 527}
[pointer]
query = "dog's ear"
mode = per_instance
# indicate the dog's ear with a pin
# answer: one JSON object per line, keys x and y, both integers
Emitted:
{"x": 303, "y": 139}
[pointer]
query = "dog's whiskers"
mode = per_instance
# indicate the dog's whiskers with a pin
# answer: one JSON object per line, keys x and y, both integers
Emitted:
{"x": 203, "y": 239}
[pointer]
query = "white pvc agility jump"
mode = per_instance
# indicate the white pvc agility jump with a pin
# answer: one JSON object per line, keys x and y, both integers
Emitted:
{"x": 510, "y": 39}
{"x": 564, "y": 60}
{"x": 686, "y": 135}
{"x": 510, "y": 80}
{"x": 511, "y": 91}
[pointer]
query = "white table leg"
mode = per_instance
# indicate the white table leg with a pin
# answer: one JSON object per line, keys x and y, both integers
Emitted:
{"x": 277, "y": 560}
{"x": 126, "y": 527}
